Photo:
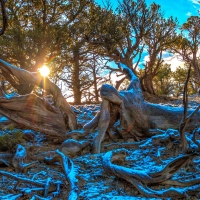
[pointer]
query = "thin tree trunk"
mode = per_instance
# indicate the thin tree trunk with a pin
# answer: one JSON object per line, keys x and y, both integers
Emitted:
{"x": 95, "y": 84}
{"x": 148, "y": 84}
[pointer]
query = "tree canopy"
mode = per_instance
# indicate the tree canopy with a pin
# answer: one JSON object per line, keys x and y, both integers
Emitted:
{"x": 78, "y": 40}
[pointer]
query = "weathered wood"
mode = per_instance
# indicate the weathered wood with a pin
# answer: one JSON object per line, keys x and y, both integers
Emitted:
{"x": 19, "y": 158}
{"x": 166, "y": 116}
{"x": 52, "y": 187}
{"x": 102, "y": 126}
{"x": 134, "y": 118}
{"x": 20, "y": 78}
{"x": 31, "y": 112}
{"x": 141, "y": 179}
{"x": 132, "y": 111}
{"x": 70, "y": 174}
{"x": 72, "y": 147}
{"x": 135, "y": 114}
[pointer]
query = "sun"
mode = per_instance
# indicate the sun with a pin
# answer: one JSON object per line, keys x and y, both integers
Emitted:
{"x": 44, "y": 71}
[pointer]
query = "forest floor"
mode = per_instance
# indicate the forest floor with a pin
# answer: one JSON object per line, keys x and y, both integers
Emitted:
{"x": 93, "y": 182}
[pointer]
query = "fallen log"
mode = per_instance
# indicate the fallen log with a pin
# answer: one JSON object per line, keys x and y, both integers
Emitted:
{"x": 41, "y": 184}
{"x": 31, "y": 112}
{"x": 141, "y": 180}
{"x": 166, "y": 116}
{"x": 69, "y": 170}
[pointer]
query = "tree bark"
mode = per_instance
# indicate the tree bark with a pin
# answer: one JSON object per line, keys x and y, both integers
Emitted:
{"x": 95, "y": 84}
{"x": 148, "y": 84}
{"x": 31, "y": 111}
{"x": 133, "y": 116}
{"x": 166, "y": 116}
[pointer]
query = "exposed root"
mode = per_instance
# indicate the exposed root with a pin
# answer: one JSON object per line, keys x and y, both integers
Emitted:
{"x": 70, "y": 174}
{"x": 103, "y": 124}
{"x": 141, "y": 179}
{"x": 19, "y": 158}
{"x": 45, "y": 186}
{"x": 160, "y": 139}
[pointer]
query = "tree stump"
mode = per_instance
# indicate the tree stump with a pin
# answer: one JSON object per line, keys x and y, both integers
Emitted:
{"x": 132, "y": 111}
{"x": 136, "y": 115}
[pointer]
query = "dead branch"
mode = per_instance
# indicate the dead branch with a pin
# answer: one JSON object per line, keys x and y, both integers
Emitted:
{"x": 19, "y": 158}
{"x": 186, "y": 118}
{"x": 180, "y": 183}
{"x": 90, "y": 126}
{"x": 20, "y": 166}
{"x": 29, "y": 181}
{"x": 11, "y": 196}
{"x": 70, "y": 174}
{"x": 195, "y": 131}
{"x": 161, "y": 138}
{"x": 140, "y": 179}
{"x": 104, "y": 121}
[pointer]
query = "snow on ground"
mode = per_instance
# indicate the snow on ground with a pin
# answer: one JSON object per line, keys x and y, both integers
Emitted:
{"x": 94, "y": 183}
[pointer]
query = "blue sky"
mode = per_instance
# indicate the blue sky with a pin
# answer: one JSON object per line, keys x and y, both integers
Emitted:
{"x": 181, "y": 9}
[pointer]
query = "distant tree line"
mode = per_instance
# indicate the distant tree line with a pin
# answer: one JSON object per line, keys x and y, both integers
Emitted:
{"x": 76, "y": 39}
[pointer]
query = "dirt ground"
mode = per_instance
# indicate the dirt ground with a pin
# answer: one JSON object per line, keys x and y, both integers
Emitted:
{"x": 93, "y": 182}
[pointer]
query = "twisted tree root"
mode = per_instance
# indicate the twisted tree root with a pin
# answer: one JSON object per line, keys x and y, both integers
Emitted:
{"x": 70, "y": 174}
{"x": 141, "y": 179}
{"x": 46, "y": 186}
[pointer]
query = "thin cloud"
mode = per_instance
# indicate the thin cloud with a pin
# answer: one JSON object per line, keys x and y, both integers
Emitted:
{"x": 188, "y": 13}
{"x": 146, "y": 58}
{"x": 195, "y": 1}
{"x": 174, "y": 61}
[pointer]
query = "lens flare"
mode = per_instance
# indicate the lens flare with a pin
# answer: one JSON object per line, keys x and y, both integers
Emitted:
{"x": 44, "y": 71}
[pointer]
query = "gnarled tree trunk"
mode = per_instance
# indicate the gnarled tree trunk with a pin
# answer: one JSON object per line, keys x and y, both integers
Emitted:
{"x": 136, "y": 115}
{"x": 133, "y": 115}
